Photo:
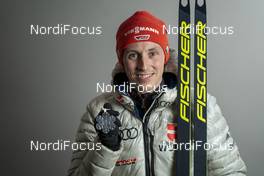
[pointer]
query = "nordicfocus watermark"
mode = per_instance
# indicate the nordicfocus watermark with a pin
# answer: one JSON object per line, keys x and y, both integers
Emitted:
{"x": 127, "y": 87}
{"x": 209, "y": 30}
{"x": 63, "y": 145}
{"x": 173, "y": 146}
{"x": 64, "y": 29}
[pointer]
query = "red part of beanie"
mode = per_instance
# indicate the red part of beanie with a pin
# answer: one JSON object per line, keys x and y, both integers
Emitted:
{"x": 141, "y": 26}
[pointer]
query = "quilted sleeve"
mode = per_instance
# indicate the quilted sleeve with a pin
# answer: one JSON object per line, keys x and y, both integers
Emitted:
{"x": 99, "y": 161}
{"x": 223, "y": 158}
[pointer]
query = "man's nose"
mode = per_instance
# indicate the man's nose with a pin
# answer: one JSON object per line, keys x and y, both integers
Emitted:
{"x": 142, "y": 62}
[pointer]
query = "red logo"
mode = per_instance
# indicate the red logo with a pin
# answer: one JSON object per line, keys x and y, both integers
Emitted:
{"x": 126, "y": 162}
{"x": 120, "y": 98}
{"x": 172, "y": 131}
{"x": 142, "y": 37}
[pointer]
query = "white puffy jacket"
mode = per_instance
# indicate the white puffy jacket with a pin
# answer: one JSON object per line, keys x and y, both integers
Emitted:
{"x": 145, "y": 151}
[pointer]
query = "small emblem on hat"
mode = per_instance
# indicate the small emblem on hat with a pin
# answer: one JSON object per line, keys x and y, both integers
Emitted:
{"x": 142, "y": 37}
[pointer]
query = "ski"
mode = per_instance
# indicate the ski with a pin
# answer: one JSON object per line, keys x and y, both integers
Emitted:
{"x": 184, "y": 79}
{"x": 200, "y": 90}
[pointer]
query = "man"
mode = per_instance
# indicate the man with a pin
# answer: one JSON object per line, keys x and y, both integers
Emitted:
{"x": 136, "y": 123}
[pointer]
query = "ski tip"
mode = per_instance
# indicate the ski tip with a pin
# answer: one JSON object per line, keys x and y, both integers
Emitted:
{"x": 200, "y": 4}
{"x": 184, "y": 3}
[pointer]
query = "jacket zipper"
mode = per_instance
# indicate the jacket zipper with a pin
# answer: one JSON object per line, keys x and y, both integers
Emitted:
{"x": 146, "y": 148}
{"x": 146, "y": 138}
{"x": 144, "y": 121}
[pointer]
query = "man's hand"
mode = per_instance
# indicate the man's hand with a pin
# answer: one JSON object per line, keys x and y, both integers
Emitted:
{"x": 107, "y": 126}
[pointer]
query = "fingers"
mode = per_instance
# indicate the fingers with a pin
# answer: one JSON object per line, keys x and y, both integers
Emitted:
{"x": 107, "y": 106}
{"x": 112, "y": 112}
{"x": 118, "y": 123}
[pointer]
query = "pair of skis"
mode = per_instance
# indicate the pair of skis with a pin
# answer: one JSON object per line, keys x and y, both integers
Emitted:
{"x": 192, "y": 111}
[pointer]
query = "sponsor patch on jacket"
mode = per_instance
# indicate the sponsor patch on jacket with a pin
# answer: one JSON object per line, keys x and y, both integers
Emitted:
{"x": 120, "y": 98}
{"x": 128, "y": 104}
{"x": 129, "y": 133}
{"x": 126, "y": 162}
{"x": 172, "y": 131}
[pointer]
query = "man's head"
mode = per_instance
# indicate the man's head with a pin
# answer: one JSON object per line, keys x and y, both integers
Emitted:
{"x": 144, "y": 64}
{"x": 142, "y": 48}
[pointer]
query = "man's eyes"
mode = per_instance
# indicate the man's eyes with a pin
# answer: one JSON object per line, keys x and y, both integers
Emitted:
{"x": 153, "y": 53}
{"x": 132, "y": 56}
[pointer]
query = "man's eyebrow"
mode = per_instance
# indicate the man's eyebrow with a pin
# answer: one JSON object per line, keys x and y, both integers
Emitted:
{"x": 152, "y": 49}
{"x": 131, "y": 50}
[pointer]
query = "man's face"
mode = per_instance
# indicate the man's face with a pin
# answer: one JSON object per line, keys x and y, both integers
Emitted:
{"x": 144, "y": 64}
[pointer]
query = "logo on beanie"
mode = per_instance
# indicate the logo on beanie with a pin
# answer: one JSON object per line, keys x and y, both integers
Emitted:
{"x": 138, "y": 29}
{"x": 142, "y": 37}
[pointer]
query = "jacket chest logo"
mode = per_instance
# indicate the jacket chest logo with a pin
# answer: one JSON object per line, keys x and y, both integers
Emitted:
{"x": 128, "y": 133}
{"x": 126, "y": 162}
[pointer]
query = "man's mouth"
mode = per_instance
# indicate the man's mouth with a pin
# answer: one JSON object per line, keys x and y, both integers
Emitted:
{"x": 144, "y": 76}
